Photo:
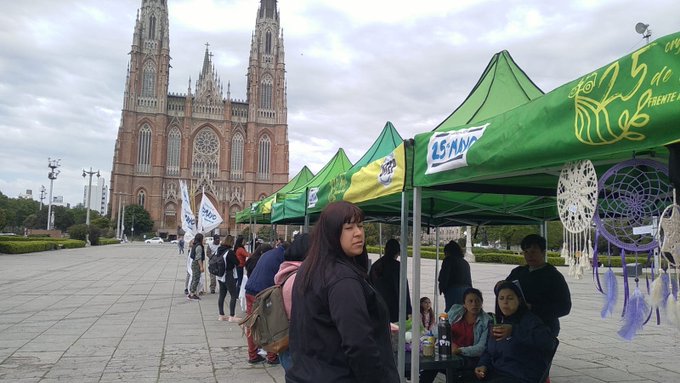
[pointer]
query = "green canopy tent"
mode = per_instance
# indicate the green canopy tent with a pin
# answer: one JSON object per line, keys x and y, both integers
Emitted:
{"x": 260, "y": 211}
{"x": 626, "y": 109}
{"x": 291, "y": 206}
{"x": 502, "y": 86}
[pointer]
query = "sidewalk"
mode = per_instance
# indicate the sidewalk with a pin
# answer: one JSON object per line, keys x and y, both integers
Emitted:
{"x": 118, "y": 313}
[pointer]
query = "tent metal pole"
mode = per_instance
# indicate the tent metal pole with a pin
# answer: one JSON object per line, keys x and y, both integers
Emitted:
{"x": 380, "y": 240}
{"x": 435, "y": 295}
{"x": 306, "y": 230}
{"x": 403, "y": 270}
{"x": 415, "y": 297}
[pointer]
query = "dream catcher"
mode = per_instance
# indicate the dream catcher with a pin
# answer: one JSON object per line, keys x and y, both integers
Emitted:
{"x": 668, "y": 236}
{"x": 632, "y": 196}
{"x": 576, "y": 202}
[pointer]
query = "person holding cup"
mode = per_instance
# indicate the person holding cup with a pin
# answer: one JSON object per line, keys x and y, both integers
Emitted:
{"x": 519, "y": 344}
{"x": 469, "y": 331}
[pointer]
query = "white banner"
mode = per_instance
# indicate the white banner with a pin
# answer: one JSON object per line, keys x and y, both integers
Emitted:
{"x": 208, "y": 217}
{"x": 188, "y": 218}
{"x": 448, "y": 150}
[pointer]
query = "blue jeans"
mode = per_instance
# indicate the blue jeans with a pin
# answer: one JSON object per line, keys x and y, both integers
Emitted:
{"x": 286, "y": 360}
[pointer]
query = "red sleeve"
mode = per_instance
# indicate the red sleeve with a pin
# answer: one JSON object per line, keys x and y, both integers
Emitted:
{"x": 242, "y": 254}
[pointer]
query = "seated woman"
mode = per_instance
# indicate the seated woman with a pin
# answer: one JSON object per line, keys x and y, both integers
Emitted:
{"x": 469, "y": 331}
{"x": 519, "y": 345}
{"x": 427, "y": 315}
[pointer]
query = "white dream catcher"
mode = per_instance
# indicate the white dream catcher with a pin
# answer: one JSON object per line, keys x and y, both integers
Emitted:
{"x": 576, "y": 202}
{"x": 668, "y": 237}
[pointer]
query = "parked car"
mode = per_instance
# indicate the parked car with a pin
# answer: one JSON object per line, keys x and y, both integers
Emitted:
{"x": 154, "y": 240}
{"x": 174, "y": 241}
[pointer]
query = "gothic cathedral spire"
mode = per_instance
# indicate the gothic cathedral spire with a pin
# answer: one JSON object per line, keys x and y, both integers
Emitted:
{"x": 266, "y": 70}
{"x": 148, "y": 73}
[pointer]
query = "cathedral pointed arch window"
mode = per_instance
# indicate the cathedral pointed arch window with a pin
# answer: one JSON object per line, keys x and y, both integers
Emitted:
{"x": 141, "y": 198}
{"x": 237, "y": 157}
{"x": 268, "y": 43}
{"x": 152, "y": 27}
{"x": 144, "y": 150}
{"x": 174, "y": 142}
{"x": 206, "y": 154}
{"x": 266, "y": 93}
{"x": 149, "y": 80}
{"x": 264, "y": 158}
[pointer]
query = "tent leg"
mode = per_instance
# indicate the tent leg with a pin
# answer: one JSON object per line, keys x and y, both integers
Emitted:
{"x": 435, "y": 296}
{"x": 403, "y": 251}
{"x": 415, "y": 297}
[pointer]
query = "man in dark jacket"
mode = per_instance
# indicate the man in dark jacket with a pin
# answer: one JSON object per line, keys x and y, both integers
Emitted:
{"x": 545, "y": 290}
{"x": 262, "y": 278}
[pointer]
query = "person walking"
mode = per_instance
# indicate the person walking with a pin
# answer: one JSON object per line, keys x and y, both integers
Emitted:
{"x": 180, "y": 245}
{"x": 197, "y": 255}
{"x": 227, "y": 280}
{"x": 339, "y": 326}
{"x": 454, "y": 276}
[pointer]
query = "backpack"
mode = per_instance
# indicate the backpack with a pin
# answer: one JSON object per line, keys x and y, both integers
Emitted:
{"x": 216, "y": 265}
{"x": 267, "y": 323}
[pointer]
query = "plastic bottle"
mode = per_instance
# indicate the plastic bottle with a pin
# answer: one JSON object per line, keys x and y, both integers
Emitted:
{"x": 444, "y": 336}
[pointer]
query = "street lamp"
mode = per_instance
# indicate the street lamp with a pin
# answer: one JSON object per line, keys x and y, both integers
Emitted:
{"x": 42, "y": 195}
{"x": 52, "y": 175}
{"x": 89, "y": 196}
{"x": 119, "y": 225}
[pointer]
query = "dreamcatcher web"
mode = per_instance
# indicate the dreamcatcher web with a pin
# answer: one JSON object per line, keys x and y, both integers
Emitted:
{"x": 633, "y": 194}
{"x": 576, "y": 203}
{"x": 668, "y": 236}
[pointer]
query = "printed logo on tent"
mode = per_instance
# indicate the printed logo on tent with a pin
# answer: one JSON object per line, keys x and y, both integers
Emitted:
{"x": 387, "y": 170}
{"x": 313, "y": 198}
{"x": 448, "y": 150}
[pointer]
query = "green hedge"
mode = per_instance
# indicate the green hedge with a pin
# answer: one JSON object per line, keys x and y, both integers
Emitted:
{"x": 108, "y": 241}
{"x": 616, "y": 260}
{"x": 22, "y": 247}
{"x": 485, "y": 256}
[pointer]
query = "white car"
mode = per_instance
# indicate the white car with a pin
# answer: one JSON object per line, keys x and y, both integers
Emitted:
{"x": 154, "y": 240}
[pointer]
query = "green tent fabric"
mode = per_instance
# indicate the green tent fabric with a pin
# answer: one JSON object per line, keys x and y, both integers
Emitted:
{"x": 503, "y": 86}
{"x": 292, "y": 205}
{"x": 629, "y": 108}
{"x": 260, "y": 211}
{"x": 379, "y": 172}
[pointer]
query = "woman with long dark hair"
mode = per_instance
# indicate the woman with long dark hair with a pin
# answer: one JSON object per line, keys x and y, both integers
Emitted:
{"x": 339, "y": 325}
{"x": 519, "y": 345}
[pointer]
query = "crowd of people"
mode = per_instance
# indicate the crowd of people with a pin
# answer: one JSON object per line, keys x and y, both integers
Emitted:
{"x": 340, "y": 310}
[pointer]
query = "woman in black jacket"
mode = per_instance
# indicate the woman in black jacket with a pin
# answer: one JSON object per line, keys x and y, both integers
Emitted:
{"x": 339, "y": 325}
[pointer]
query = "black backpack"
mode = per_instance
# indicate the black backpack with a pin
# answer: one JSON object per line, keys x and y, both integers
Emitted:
{"x": 216, "y": 265}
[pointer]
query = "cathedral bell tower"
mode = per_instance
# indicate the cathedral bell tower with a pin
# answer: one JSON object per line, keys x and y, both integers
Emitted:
{"x": 147, "y": 80}
{"x": 266, "y": 69}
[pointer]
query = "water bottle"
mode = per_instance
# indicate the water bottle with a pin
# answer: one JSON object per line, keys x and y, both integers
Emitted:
{"x": 444, "y": 336}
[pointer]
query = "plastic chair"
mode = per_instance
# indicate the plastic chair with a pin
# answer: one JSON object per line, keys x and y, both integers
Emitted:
{"x": 546, "y": 374}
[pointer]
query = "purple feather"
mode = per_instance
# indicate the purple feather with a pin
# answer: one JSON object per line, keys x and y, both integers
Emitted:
{"x": 610, "y": 294}
{"x": 665, "y": 280}
{"x": 636, "y": 312}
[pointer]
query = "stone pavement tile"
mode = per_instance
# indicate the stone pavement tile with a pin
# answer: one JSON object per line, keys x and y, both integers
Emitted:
{"x": 50, "y": 343}
{"x": 14, "y": 317}
{"x": 559, "y": 371}
{"x": 131, "y": 376}
{"x": 608, "y": 374}
{"x": 577, "y": 379}
{"x": 83, "y": 350}
{"x": 174, "y": 377}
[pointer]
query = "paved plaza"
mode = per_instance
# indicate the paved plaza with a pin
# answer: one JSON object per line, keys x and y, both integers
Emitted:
{"x": 118, "y": 313}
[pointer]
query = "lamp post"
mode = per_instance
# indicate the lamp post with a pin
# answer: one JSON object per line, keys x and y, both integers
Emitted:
{"x": 89, "y": 196}
{"x": 42, "y": 195}
{"x": 52, "y": 175}
{"x": 119, "y": 220}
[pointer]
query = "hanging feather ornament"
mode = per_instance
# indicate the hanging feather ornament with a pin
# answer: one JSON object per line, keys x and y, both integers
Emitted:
{"x": 635, "y": 316}
{"x": 660, "y": 290}
{"x": 610, "y": 294}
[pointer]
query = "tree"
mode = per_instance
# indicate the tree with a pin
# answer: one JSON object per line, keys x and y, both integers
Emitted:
{"x": 510, "y": 235}
{"x": 140, "y": 217}
{"x": 3, "y": 218}
{"x": 266, "y": 233}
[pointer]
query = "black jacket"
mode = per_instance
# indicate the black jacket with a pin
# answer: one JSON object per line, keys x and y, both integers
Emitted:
{"x": 455, "y": 271}
{"x": 384, "y": 276}
{"x": 339, "y": 330}
{"x": 546, "y": 291}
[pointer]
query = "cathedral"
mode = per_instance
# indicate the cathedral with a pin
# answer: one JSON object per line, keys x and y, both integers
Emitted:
{"x": 234, "y": 150}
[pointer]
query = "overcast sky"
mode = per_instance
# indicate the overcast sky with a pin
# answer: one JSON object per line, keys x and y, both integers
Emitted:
{"x": 351, "y": 67}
